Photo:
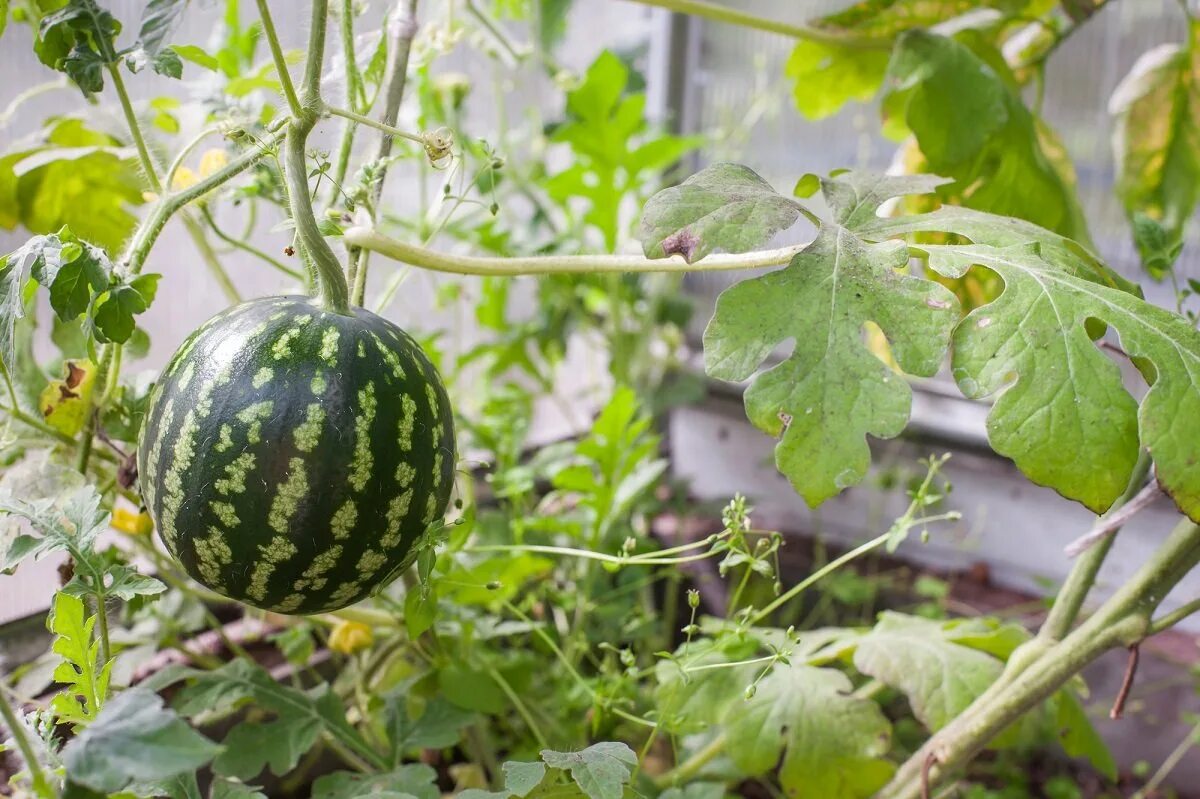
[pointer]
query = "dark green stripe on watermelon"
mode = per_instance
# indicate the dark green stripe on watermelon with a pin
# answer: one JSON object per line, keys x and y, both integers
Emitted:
{"x": 292, "y": 458}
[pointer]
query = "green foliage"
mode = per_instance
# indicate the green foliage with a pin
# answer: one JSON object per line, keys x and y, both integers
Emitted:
{"x": 300, "y": 718}
{"x": 971, "y": 125}
{"x": 726, "y": 205}
{"x": 70, "y": 174}
{"x": 1157, "y": 140}
{"x": 848, "y": 60}
{"x": 79, "y": 39}
{"x": 606, "y": 131}
{"x": 940, "y": 677}
{"x": 82, "y": 670}
{"x": 832, "y": 390}
{"x": 830, "y": 742}
{"x": 438, "y": 726}
{"x": 601, "y": 771}
{"x": 135, "y": 739}
{"x": 510, "y": 641}
{"x": 413, "y": 781}
{"x": 1068, "y": 396}
{"x": 828, "y": 75}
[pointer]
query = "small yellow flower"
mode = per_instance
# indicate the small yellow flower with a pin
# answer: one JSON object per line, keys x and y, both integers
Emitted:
{"x": 131, "y": 522}
{"x": 184, "y": 178}
{"x": 349, "y": 637}
{"x": 213, "y": 161}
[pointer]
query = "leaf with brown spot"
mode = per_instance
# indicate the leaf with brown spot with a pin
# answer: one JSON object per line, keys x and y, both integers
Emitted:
{"x": 723, "y": 208}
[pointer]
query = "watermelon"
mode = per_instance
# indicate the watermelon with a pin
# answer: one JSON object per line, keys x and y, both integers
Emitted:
{"x": 296, "y": 459}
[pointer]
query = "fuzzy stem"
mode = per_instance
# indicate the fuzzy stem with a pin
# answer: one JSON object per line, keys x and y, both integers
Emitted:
{"x": 402, "y": 31}
{"x": 1123, "y": 620}
{"x": 1169, "y": 620}
{"x": 187, "y": 149}
{"x": 371, "y": 123}
{"x": 281, "y": 67}
{"x": 102, "y": 627}
{"x": 209, "y": 256}
{"x": 690, "y": 767}
{"x": 368, "y": 239}
{"x": 355, "y": 99}
{"x": 1083, "y": 574}
{"x": 41, "y": 786}
{"x": 331, "y": 283}
{"x": 832, "y": 566}
{"x": 148, "y": 232}
{"x": 247, "y": 247}
{"x": 135, "y": 130}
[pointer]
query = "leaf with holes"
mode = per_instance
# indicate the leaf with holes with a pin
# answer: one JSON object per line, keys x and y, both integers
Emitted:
{"x": 81, "y": 668}
{"x": 1062, "y": 412}
{"x": 724, "y": 207}
{"x": 832, "y": 744}
{"x": 832, "y": 390}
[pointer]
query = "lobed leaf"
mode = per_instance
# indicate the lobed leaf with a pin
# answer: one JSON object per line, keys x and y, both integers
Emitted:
{"x": 831, "y": 744}
{"x": 412, "y": 781}
{"x": 601, "y": 771}
{"x": 1062, "y": 412}
{"x": 439, "y": 726}
{"x": 971, "y": 125}
{"x": 81, "y": 667}
{"x": 300, "y": 718}
{"x": 831, "y": 391}
{"x": 160, "y": 18}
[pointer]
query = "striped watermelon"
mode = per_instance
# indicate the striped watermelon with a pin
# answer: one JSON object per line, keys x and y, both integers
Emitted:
{"x": 293, "y": 458}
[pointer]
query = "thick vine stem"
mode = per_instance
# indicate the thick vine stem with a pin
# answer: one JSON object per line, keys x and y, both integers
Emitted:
{"x": 41, "y": 787}
{"x": 331, "y": 282}
{"x": 334, "y": 293}
{"x": 1122, "y": 621}
{"x": 402, "y": 31}
{"x": 168, "y": 205}
{"x": 367, "y": 239}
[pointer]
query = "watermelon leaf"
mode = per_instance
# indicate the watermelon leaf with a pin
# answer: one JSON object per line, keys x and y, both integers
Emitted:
{"x": 832, "y": 744}
{"x": 831, "y": 391}
{"x": 135, "y": 739}
{"x": 81, "y": 668}
{"x": 1068, "y": 404}
{"x": 601, "y": 771}
{"x": 724, "y": 207}
{"x": 411, "y": 781}
{"x": 299, "y": 719}
{"x": 914, "y": 655}
{"x": 1156, "y": 110}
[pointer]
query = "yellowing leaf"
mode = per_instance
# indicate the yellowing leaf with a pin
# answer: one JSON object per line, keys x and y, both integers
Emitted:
{"x": 65, "y": 403}
{"x": 1156, "y": 139}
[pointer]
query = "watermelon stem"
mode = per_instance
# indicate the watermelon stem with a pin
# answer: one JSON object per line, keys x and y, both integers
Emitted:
{"x": 331, "y": 285}
{"x": 368, "y": 239}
